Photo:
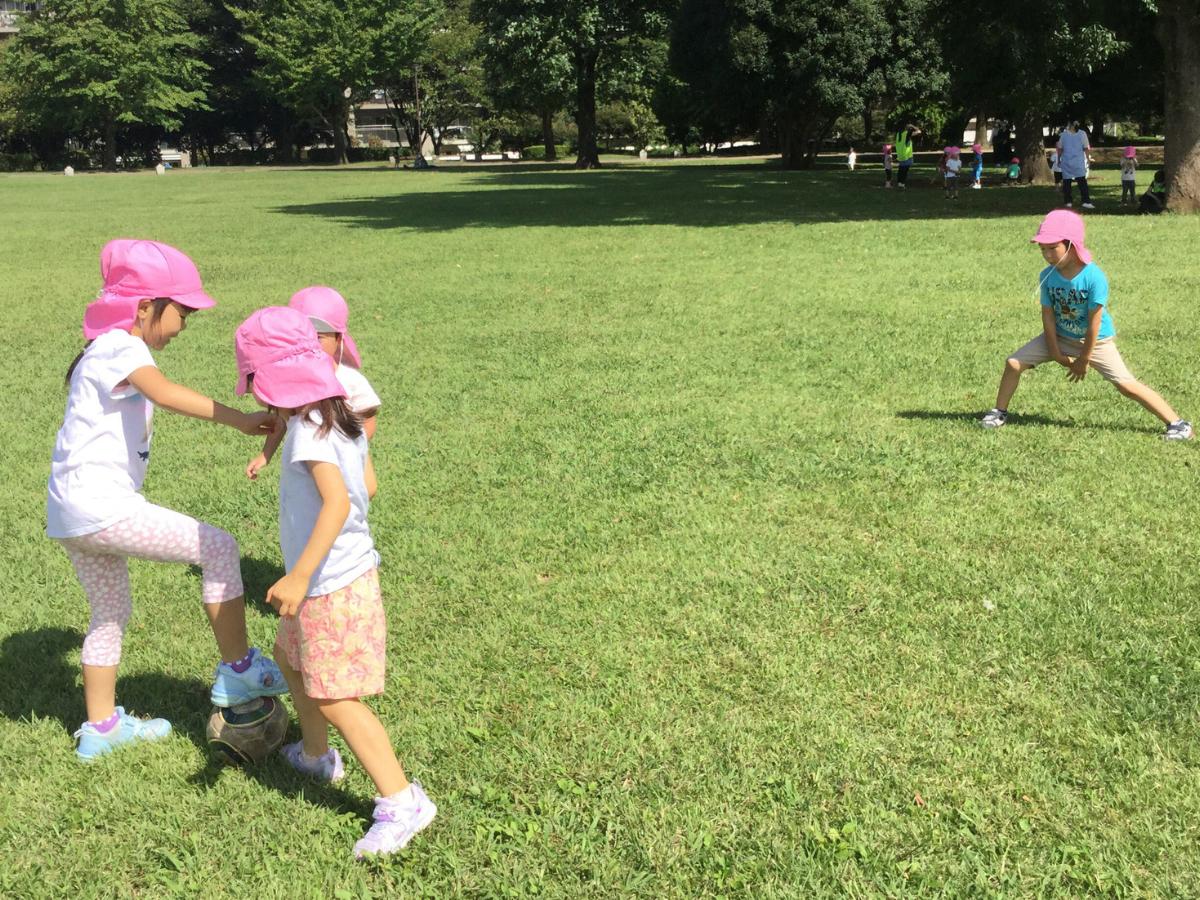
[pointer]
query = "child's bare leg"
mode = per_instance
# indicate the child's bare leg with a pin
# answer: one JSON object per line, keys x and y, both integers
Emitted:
{"x": 99, "y": 691}
{"x": 228, "y": 621}
{"x": 1149, "y": 398}
{"x": 313, "y": 726}
{"x": 367, "y": 738}
{"x": 1009, "y": 381}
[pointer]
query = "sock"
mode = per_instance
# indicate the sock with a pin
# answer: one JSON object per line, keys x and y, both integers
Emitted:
{"x": 400, "y": 797}
{"x": 311, "y": 760}
{"x": 241, "y": 665}
{"x": 108, "y": 724}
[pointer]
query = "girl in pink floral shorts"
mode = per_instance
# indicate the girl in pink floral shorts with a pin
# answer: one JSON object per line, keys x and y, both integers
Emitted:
{"x": 332, "y": 634}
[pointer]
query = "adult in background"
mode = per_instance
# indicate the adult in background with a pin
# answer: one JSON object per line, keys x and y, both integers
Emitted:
{"x": 903, "y": 142}
{"x": 1073, "y": 148}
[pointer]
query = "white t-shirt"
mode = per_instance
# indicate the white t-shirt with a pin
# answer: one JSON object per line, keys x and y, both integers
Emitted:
{"x": 353, "y": 553}
{"x": 1054, "y": 167}
{"x": 953, "y": 166}
{"x": 359, "y": 393}
{"x": 1128, "y": 170}
{"x": 1073, "y": 154}
{"x": 103, "y": 446}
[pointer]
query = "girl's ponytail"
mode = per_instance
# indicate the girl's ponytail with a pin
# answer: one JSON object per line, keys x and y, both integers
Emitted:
{"x": 336, "y": 413}
{"x": 75, "y": 362}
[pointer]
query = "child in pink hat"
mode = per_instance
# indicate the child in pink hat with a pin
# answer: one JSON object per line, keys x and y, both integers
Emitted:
{"x": 887, "y": 165}
{"x": 331, "y": 643}
{"x": 95, "y": 508}
{"x": 951, "y": 167}
{"x": 329, "y": 314}
{"x": 1077, "y": 330}
{"x": 1129, "y": 167}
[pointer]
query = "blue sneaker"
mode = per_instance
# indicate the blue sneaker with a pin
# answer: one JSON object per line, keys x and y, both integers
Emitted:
{"x": 262, "y": 679}
{"x": 93, "y": 743}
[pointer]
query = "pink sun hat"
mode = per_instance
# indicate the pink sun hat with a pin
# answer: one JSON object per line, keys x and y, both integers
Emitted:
{"x": 1130, "y": 152}
{"x": 279, "y": 347}
{"x": 327, "y": 310}
{"x": 1063, "y": 225}
{"x": 133, "y": 271}
{"x": 977, "y": 148}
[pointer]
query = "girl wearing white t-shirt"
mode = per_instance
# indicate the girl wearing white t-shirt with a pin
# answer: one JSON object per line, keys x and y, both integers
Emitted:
{"x": 332, "y": 637}
{"x": 329, "y": 314}
{"x": 95, "y": 508}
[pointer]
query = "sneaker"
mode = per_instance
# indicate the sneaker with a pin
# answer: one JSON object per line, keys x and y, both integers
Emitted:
{"x": 262, "y": 679}
{"x": 994, "y": 418}
{"x": 396, "y": 822}
{"x": 327, "y": 767}
{"x": 1179, "y": 431}
{"x": 1089, "y": 206}
{"x": 1067, "y": 204}
{"x": 93, "y": 743}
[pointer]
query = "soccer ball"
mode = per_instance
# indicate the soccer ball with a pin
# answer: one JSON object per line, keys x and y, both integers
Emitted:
{"x": 248, "y": 732}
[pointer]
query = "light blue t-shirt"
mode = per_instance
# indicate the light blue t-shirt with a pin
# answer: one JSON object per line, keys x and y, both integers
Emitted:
{"x": 1071, "y": 300}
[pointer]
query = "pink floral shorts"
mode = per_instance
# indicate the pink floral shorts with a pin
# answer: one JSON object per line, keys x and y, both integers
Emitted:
{"x": 338, "y": 641}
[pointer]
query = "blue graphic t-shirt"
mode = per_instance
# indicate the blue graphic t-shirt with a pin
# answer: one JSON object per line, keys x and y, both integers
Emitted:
{"x": 1072, "y": 299}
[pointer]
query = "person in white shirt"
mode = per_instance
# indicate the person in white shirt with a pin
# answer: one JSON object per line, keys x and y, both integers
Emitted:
{"x": 332, "y": 637}
{"x": 1073, "y": 149}
{"x": 851, "y": 159}
{"x": 95, "y": 509}
{"x": 951, "y": 168}
{"x": 329, "y": 314}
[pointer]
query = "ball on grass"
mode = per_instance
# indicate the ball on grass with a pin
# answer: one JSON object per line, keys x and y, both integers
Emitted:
{"x": 249, "y": 732}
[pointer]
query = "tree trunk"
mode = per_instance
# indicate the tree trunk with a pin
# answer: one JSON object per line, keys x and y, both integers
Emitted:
{"x": 794, "y": 133}
{"x": 1179, "y": 32}
{"x": 548, "y": 135}
{"x": 868, "y": 121}
{"x": 1031, "y": 147}
{"x": 338, "y": 125}
{"x": 981, "y": 137}
{"x": 585, "y": 110}
{"x": 110, "y": 144}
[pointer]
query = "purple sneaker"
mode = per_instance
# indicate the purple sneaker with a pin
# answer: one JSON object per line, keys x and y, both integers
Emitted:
{"x": 397, "y": 819}
{"x": 327, "y": 767}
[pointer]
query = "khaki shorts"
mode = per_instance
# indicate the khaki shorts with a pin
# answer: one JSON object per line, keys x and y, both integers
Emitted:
{"x": 1105, "y": 359}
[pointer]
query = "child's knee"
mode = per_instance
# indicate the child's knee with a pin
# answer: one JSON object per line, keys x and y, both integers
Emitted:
{"x": 1014, "y": 365}
{"x": 1128, "y": 388}
{"x": 221, "y": 565}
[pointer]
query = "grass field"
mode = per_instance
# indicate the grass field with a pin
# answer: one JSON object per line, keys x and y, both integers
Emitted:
{"x": 701, "y": 578}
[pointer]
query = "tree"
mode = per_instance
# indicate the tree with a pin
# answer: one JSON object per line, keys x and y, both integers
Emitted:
{"x": 94, "y": 66}
{"x": 1179, "y": 31}
{"x": 595, "y": 35}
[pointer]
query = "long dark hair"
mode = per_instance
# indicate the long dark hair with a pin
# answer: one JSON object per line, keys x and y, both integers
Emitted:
{"x": 335, "y": 412}
{"x": 160, "y": 304}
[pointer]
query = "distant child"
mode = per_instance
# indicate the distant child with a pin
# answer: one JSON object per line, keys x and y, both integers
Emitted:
{"x": 332, "y": 635}
{"x": 1154, "y": 200}
{"x": 851, "y": 159}
{"x": 327, "y": 311}
{"x": 977, "y": 166}
{"x": 1055, "y": 168}
{"x": 1073, "y": 152}
{"x": 1014, "y": 170}
{"x": 887, "y": 165}
{"x": 1077, "y": 331}
{"x": 96, "y": 510}
{"x": 1129, "y": 165}
{"x": 951, "y": 167}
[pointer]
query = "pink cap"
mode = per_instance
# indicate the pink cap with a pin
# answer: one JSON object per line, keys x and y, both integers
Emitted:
{"x": 1016, "y": 159}
{"x": 279, "y": 347}
{"x": 1063, "y": 225}
{"x": 952, "y": 151}
{"x": 887, "y": 148}
{"x": 327, "y": 310}
{"x": 133, "y": 271}
{"x": 977, "y": 148}
{"x": 1130, "y": 152}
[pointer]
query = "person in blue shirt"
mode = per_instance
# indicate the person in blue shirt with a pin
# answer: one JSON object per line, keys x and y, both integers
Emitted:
{"x": 1077, "y": 330}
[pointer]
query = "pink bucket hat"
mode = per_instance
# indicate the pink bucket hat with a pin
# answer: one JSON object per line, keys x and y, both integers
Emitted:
{"x": 133, "y": 271}
{"x": 279, "y": 347}
{"x": 1130, "y": 152}
{"x": 977, "y": 148}
{"x": 1063, "y": 225}
{"x": 328, "y": 312}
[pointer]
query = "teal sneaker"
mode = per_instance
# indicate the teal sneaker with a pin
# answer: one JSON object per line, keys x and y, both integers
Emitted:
{"x": 262, "y": 679}
{"x": 93, "y": 743}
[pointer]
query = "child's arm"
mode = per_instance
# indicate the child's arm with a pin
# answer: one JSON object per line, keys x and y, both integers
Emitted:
{"x": 1051, "y": 335}
{"x": 1079, "y": 367}
{"x": 289, "y": 592}
{"x": 161, "y": 391}
{"x": 263, "y": 459}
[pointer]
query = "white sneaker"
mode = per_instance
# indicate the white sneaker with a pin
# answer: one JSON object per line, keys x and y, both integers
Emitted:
{"x": 994, "y": 418}
{"x": 397, "y": 820}
{"x": 1179, "y": 431}
{"x": 1087, "y": 205}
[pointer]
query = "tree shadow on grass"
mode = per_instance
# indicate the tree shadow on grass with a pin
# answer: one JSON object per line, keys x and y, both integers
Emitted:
{"x": 692, "y": 196}
{"x": 36, "y": 680}
{"x": 1018, "y": 419}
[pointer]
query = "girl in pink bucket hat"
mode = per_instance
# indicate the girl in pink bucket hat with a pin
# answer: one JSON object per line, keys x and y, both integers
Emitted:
{"x": 1129, "y": 167}
{"x": 1077, "y": 330}
{"x": 95, "y": 508}
{"x": 327, "y": 311}
{"x": 331, "y": 643}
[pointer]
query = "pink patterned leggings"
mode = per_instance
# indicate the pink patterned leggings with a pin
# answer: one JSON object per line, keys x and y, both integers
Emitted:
{"x": 101, "y": 562}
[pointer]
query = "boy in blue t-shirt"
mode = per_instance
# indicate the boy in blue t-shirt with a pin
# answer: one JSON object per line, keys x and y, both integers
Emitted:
{"x": 1077, "y": 331}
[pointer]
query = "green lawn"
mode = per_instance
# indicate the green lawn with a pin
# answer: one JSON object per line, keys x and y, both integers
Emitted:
{"x": 701, "y": 578}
